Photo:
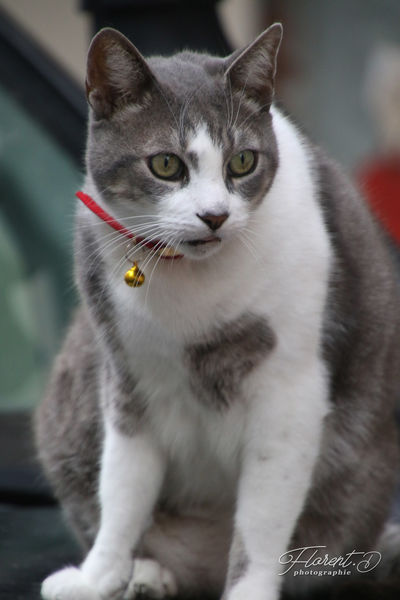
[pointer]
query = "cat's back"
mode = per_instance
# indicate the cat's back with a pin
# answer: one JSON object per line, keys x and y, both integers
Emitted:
{"x": 362, "y": 324}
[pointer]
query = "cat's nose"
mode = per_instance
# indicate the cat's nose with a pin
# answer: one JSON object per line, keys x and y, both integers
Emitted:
{"x": 214, "y": 222}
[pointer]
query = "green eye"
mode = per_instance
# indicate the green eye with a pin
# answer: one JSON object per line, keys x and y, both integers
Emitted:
{"x": 166, "y": 166}
{"x": 242, "y": 163}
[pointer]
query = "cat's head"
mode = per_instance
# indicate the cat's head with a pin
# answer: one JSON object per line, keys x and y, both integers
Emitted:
{"x": 182, "y": 149}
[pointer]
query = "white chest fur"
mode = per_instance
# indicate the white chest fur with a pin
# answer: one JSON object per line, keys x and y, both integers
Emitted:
{"x": 195, "y": 439}
{"x": 285, "y": 284}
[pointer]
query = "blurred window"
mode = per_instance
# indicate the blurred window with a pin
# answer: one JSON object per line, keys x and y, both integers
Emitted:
{"x": 37, "y": 184}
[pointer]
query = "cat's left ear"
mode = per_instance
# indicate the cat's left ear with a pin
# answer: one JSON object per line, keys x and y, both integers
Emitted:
{"x": 117, "y": 74}
{"x": 251, "y": 71}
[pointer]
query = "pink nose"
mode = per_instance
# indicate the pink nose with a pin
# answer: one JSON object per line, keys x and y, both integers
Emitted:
{"x": 214, "y": 222}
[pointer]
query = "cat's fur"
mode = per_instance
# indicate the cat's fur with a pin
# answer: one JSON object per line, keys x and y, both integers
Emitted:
{"x": 240, "y": 403}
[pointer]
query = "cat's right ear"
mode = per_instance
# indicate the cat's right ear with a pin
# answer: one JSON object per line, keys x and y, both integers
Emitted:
{"x": 251, "y": 71}
{"x": 117, "y": 74}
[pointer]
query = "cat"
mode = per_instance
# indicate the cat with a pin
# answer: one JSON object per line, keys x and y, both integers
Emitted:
{"x": 234, "y": 403}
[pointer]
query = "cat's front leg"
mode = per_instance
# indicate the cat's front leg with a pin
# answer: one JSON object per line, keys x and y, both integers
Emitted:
{"x": 279, "y": 452}
{"x": 132, "y": 470}
{"x": 131, "y": 476}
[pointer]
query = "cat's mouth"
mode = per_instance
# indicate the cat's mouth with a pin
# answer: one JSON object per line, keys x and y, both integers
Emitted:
{"x": 170, "y": 252}
{"x": 200, "y": 248}
{"x": 202, "y": 242}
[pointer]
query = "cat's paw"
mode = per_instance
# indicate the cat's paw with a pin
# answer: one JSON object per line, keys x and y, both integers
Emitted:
{"x": 256, "y": 586}
{"x": 73, "y": 583}
{"x": 151, "y": 580}
{"x": 68, "y": 584}
{"x": 110, "y": 572}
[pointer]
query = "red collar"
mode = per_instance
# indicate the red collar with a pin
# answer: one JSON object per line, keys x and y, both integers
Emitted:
{"x": 107, "y": 218}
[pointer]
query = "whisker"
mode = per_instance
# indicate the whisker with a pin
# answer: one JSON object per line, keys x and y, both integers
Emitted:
{"x": 116, "y": 268}
{"x": 185, "y": 107}
{"x": 240, "y": 100}
{"x": 156, "y": 219}
{"x": 229, "y": 108}
{"x": 114, "y": 244}
{"x": 152, "y": 253}
{"x": 249, "y": 247}
{"x": 100, "y": 222}
{"x": 147, "y": 240}
{"x": 101, "y": 249}
{"x": 96, "y": 256}
{"x": 171, "y": 241}
{"x": 167, "y": 103}
{"x": 252, "y": 116}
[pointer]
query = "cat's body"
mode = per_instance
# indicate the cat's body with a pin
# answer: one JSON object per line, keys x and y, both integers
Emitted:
{"x": 240, "y": 403}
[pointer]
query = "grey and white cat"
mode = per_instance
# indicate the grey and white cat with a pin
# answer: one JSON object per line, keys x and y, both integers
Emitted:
{"x": 239, "y": 404}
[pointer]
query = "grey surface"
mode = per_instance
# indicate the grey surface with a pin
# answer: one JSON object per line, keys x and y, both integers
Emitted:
{"x": 34, "y": 542}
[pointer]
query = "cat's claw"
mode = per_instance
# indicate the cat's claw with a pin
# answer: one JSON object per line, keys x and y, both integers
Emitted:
{"x": 150, "y": 581}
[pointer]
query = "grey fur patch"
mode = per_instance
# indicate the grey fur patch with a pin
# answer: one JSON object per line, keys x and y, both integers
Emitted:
{"x": 68, "y": 427}
{"x": 194, "y": 547}
{"x": 125, "y": 404}
{"x": 362, "y": 322}
{"x": 219, "y": 363}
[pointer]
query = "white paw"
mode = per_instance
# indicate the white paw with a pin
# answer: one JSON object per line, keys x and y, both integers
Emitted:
{"x": 151, "y": 580}
{"x": 109, "y": 572}
{"x": 68, "y": 584}
{"x": 256, "y": 586}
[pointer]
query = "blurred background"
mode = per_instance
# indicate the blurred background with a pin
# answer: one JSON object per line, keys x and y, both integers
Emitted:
{"x": 338, "y": 74}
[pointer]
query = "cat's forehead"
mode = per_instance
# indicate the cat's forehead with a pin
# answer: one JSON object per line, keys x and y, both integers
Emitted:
{"x": 200, "y": 104}
{"x": 188, "y": 72}
{"x": 194, "y": 86}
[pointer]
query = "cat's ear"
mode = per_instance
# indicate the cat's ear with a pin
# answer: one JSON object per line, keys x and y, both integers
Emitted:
{"x": 251, "y": 71}
{"x": 117, "y": 74}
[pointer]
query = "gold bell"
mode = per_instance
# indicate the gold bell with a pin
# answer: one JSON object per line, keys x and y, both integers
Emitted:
{"x": 134, "y": 277}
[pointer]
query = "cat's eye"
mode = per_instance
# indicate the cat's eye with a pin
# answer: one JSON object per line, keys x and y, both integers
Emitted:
{"x": 242, "y": 163}
{"x": 166, "y": 166}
